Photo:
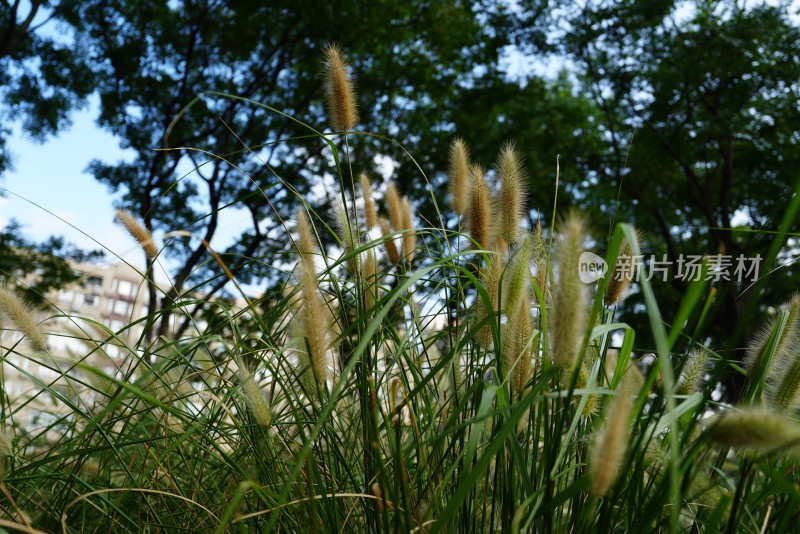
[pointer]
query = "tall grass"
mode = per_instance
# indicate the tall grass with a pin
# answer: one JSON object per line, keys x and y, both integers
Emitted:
{"x": 420, "y": 379}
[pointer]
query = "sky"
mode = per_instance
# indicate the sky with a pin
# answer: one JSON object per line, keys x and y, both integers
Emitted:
{"x": 53, "y": 176}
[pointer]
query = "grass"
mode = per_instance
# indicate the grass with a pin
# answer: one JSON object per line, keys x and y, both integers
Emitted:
{"x": 383, "y": 394}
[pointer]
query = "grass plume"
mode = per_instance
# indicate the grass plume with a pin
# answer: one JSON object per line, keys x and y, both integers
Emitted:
{"x": 348, "y": 236}
{"x": 608, "y": 451}
{"x": 5, "y": 452}
{"x": 141, "y": 234}
{"x": 389, "y": 243}
{"x": 394, "y": 205}
{"x": 254, "y": 397}
{"x": 693, "y": 374}
{"x": 22, "y": 317}
{"x": 623, "y": 272}
{"x": 490, "y": 276}
{"x": 513, "y": 191}
{"x": 371, "y": 280}
{"x": 753, "y": 429}
{"x": 340, "y": 94}
{"x": 370, "y": 212}
{"x": 409, "y": 235}
{"x": 570, "y": 308}
{"x": 517, "y": 349}
{"x": 786, "y": 344}
{"x": 314, "y": 321}
{"x": 516, "y": 281}
{"x": 479, "y": 221}
{"x": 459, "y": 174}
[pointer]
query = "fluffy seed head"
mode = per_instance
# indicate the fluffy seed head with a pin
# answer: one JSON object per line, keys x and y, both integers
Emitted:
{"x": 459, "y": 176}
{"x": 456, "y": 377}
{"x": 5, "y": 452}
{"x": 787, "y": 344}
{"x": 370, "y": 213}
{"x": 254, "y": 398}
{"x": 516, "y": 281}
{"x": 490, "y": 279}
{"x": 371, "y": 280}
{"x": 754, "y": 429}
{"x": 786, "y": 394}
{"x": 348, "y": 236}
{"x": 340, "y": 95}
{"x": 394, "y": 206}
{"x": 608, "y": 451}
{"x": 786, "y": 371}
{"x": 316, "y": 329}
{"x": 570, "y": 309}
{"x": 306, "y": 244}
{"x": 624, "y": 269}
{"x": 389, "y": 243}
{"x": 593, "y": 399}
{"x": 141, "y": 234}
{"x": 21, "y": 316}
{"x": 314, "y": 320}
{"x": 513, "y": 190}
{"x": 409, "y": 237}
{"x": 5, "y": 443}
{"x": 517, "y": 349}
{"x": 480, "y": 209}
{"x": 693, "y": 373}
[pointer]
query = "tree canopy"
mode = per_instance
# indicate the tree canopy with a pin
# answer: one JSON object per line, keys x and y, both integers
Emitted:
{"x": 42, "y": 79}
{"x": 700, "y": 113}
{"x": 677, "y": 116}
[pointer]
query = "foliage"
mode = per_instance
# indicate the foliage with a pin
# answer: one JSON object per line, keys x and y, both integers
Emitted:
{"x": 423, "y": 425}
{"x": 676, "y": 116}
{"x": 267, "y": 53}
{"x": 42, "y": 76}
{"x": 699, "y": 111}
{"x": 41, "y": 267}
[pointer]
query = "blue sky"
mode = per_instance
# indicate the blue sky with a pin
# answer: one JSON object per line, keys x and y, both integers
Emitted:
{"x": 52, "y": 175}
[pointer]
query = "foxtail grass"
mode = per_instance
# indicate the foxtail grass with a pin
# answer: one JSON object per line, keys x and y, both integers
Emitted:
{"x": 141, "y": 234}
{"x": 480, "y": 208}
{"x": 314, "y": 321}
{"x": 398, "y": 399}
{"x": 340, "y": 95}
{"x": 608, "y": 450}
{"x": 22, "y": 318}
{"x": 370, "y": 211}
{"x": 570, "y": 307}
{"x": 512, "y": 194}
{"x": 623, "y": 273}
{"x": 459, "y": 173}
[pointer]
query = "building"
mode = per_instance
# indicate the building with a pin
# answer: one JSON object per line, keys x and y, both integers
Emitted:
{"x": 114, "y": 295}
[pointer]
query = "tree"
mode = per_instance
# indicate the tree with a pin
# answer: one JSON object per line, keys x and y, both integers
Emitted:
{"x": 420, "y": 68}
{"x": 699, "y": 109}
{"x": 42, "y": 78}
{"x": 41, "y": 267}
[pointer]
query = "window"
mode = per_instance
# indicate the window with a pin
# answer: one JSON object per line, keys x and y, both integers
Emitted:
{"x": 120, "y": 307}
{"x": 94, "y": 282}
{"x": 125, "y": 288}
{"x": 91, "y": 300}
